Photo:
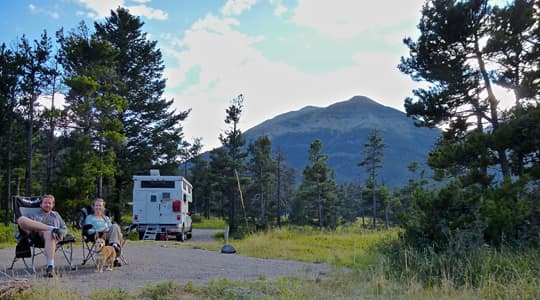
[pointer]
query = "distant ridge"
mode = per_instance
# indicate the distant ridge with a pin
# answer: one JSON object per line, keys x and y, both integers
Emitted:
{"x": 343, "y": 128}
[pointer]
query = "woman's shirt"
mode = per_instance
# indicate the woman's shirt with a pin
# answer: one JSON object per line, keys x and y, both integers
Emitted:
{"x": 99, "y": 224}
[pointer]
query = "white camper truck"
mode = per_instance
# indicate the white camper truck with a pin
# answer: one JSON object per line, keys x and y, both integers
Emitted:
{"x": 161, "y": 205}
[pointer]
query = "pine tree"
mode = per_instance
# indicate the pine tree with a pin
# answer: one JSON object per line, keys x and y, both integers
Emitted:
{"x": 261, "y": 171}
{"x": 318, "y": 187}
{"x": 234, "y": 160}
{"x": 93, "y": 106}
{"x": 36, "y": 76}
{"x": 10, "y": 72}
{"x": 372, "y": 162}
{"x": 152, "y": 128}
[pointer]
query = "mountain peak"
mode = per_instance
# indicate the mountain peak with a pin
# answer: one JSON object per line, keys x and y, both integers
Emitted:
{"x": 343, "y": 127}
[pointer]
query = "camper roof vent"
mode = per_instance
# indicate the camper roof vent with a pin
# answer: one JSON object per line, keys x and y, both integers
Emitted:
{"x": 154, "y": 172}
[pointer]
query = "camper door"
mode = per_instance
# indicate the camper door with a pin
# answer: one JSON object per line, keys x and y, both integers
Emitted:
{"x": 152, "y": 207}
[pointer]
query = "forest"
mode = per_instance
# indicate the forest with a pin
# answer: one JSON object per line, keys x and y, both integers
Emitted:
{"x": 115, "y": 123}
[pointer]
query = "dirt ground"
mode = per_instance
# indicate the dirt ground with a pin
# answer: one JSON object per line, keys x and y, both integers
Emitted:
{"x": 156, "y": 262}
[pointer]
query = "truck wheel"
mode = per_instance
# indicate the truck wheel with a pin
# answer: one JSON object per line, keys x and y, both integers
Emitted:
{"x": 190, "y": 233}
{"x": 181, "y": 236}
{"x": 141, "y": 235}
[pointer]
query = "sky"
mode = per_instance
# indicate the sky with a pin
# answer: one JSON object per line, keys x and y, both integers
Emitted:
{"x": 281, "y": 55}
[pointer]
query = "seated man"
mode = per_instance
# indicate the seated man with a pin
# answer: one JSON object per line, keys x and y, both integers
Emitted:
{"x": 101, "y": 224}
{"x": 49, "y": 225}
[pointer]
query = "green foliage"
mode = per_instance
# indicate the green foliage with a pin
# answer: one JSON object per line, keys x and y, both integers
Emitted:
{"x": 485, "y": 269}
{"x": 353, "y": 247}
{"x": 111, "y": 294}
{"x": 133, "y": 235}
{"x": 208, "y": 223}
{"x": 315, "y": 201}
{"x": 260, "y": 196}
{"x": 161, "y": 291}
{"x": 7, "y": 236}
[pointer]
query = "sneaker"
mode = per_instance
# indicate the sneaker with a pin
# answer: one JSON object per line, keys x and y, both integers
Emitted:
{"x": 117, "y": 263}
{"x": 49, "y": 272}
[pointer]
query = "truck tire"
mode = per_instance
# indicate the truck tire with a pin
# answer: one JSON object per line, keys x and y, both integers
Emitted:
{"x": 181, "y": 236}
{"x": 190, "y": 233}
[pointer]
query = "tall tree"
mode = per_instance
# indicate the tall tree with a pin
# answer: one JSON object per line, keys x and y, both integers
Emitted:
{"x": 373, "y": 155}
{"x": 449, "y": 55}
{"x": 10, "y": 72}
{"x": 512, "y": 46}
{"x": 233, "y": 142}
{"x": 93, "y": 107}
{"x": 152, "y": 128}
{"x": 35, "y": 78}
{"x": 318, "y": 185}
{"x": 199, "y": 176}
{"x": 261, "y": 170}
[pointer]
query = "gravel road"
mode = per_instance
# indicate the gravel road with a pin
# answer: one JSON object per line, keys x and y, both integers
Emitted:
{"x": 151, "y": 262}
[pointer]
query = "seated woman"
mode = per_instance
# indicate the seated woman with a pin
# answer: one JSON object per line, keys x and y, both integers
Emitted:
{"x": 101, "y": 224}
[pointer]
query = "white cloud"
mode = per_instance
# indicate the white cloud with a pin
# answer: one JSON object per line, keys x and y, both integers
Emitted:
{"x": 148, "y": 12}
{"x": 39, "y": 10}
{"x": 348, "y": 18}
{"x": 279, "y": 8}
{"x": 100, "y": 9}
{"x": 229, "y": 65}
{"x": 237, "y": 7}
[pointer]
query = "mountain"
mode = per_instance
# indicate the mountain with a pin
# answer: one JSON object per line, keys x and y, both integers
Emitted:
{"x": 343, "y": 128}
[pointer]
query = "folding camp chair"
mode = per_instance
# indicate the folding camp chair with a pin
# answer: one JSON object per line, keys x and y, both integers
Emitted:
{"x": 31, "y": 245}
{"x": 88, "y": 239}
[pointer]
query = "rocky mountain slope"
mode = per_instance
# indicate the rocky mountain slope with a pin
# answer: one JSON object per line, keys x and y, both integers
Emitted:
{"x": 343, "y": 128}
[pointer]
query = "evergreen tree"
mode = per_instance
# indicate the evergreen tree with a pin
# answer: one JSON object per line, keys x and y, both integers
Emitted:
{"x": 318, "y": 188}
{"x": 372, "y": 162}
{"x": 452, "y": 55}
{"x": 234, "y": 160}
{"x": 261, "y": 170}
{"x": 36, "y": 75}
{"x": 198, "y": 175}
{"x": 10, "y": 72}
{"x": 152, "y": 128}
{"x": 512, "y": 46}
{"x": 465, "y": 47}
{"x": 94, "y": 107}
{"x": 285, "y": 182}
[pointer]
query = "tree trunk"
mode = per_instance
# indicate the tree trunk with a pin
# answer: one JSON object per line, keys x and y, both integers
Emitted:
{"x": 9, "y": 166}
{"x": 278, "y": 193}
{"x": 374, "y": 204}
{"x": 493, "y": 104}
{"x": 386, "y": 216}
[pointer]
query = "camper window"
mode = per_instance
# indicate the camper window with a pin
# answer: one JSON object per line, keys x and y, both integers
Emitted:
{"x": 155, "y": 184}
{"x": 166, "y": 196}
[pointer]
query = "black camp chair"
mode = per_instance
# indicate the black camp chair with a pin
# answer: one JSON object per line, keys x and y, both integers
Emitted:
{"x": 31, "y": 245}
{"x": 89, "y": 241}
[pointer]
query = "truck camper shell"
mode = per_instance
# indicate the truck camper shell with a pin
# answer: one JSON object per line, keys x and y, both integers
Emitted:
{"x": 161, "y": 206}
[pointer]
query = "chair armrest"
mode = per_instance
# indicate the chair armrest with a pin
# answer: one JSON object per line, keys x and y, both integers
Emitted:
{"x": 86, "y": 228}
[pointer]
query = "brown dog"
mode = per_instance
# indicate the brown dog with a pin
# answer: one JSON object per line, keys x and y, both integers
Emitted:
{"x": 106, "y": 255}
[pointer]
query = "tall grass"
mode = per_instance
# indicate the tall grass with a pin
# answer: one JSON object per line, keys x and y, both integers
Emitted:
{"x": 200, "y": 222}
{"x": 504, "y": 273}
{"x": 343, "y": 249}
{"x": 368, "y": 265}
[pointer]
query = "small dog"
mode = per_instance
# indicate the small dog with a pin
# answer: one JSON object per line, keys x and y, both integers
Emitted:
{"x": 106, "y": 255}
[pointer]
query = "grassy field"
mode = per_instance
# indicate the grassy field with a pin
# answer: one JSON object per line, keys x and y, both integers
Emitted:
{"x": 362, "y": 270}
{"x": 211, "y": 223}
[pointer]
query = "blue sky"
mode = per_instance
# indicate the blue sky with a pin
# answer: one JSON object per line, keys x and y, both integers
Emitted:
{"x": 281, "y": 55}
